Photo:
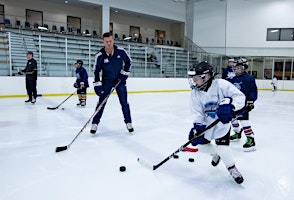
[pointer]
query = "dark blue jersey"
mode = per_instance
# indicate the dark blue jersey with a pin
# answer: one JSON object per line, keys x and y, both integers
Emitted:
{"x": 82, "y": 76}
{"x": 226, "y": 73}
{"x": 111, "y": 65}
{"x": 246, "y": 83}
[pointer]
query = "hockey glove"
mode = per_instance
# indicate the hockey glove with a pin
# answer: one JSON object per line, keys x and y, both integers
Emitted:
{"x": 195, "y": 132}
{"x": 98, "y": 88}
{"x": 76, "y": 85}
{"x": 20, "y": 73}
{"x": 225, "y": 110}
{"x": 123, "y": 76}
{"x": 250, "y": 105}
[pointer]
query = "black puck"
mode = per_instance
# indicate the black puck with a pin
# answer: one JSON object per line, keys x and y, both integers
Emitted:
{"x": 122, "y": 168}
{"x": 191, "y": 159}
{"x": 176, "y": 156}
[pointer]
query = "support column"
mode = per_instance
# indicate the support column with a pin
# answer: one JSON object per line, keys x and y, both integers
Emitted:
{"x": 105, "y": 18}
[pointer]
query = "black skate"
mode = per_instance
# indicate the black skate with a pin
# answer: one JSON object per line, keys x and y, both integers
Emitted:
{"x": 215, "y": 160}
{"x": 94, "y": 128}
{"x": 249, "y": 145}
{"x": 236, "y": 174}
{"x": 237, "y": 136}
{"x": 130, "y": 127}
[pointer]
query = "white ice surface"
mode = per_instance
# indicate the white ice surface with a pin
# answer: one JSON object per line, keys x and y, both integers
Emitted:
{"x": 31, "y": 170}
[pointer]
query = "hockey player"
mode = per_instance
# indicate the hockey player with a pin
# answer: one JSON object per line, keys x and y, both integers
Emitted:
{"x": 81, "y": 83}
{"x": 228, "y": 72}
{"x": 274, "y": 83}
{"x": 246, "y": 84}
{"x": 31, "y": 71}
{"x": 213, "y": 99}
{"x": 115, "y": 65}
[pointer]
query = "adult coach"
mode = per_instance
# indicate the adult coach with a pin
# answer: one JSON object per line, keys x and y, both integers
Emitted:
{"x": 31, "y": 71}
{"x": 115, "y": 65}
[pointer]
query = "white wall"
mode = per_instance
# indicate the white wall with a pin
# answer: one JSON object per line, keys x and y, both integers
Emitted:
{"x": 245, "y": 24}
{"x": 15, "y": 86}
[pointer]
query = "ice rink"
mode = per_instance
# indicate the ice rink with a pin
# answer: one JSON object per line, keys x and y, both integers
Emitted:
{"x": 89, "y": 170}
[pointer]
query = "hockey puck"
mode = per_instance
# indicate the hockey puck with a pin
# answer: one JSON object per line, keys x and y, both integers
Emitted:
{"x": 62, "y": 108}
{"x": 122, "y": 168}
{"x": 176, "y": 156}
{"x": 191, "y": 159}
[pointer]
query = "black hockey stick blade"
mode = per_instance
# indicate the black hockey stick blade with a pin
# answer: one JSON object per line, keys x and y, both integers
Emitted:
{"x": 50, "y": 108}
{"x": 58, "y": 149}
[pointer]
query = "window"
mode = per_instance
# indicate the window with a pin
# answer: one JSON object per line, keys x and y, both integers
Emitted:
{"x": 2, "y": 17}
{"x": 280, "y": 34}
{"x": 73, "y": 24}
{"x": 34, "y": 17}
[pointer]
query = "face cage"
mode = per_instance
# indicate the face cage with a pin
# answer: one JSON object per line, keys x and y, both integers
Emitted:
{"x": 200, "y": 87}
{"x": 239, "y": 66}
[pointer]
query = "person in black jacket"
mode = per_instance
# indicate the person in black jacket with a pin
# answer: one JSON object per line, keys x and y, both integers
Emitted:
{"x": 81, "y": 83}
{"x": 31, "y": 71}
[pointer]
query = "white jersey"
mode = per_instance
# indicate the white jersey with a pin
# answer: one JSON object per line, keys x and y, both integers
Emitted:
{"x": 204, "y": 106}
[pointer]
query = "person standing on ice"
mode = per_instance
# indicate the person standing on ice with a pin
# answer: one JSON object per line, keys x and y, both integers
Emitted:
{"x": 115, "y": 65}
{"x": 81, "y": 83}
{"x": 213, "y": 99}
{"x": 31, "y": 72}
{"x": 274, "y": 83}
{"x": 246, "y": 84}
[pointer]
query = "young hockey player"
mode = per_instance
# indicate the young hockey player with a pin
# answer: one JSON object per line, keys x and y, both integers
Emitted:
{"x": 228, "y": 72}
{"x": 274, "y": 83}
{"x": 246, "y": 84}
{"x": 81, "y": 83}
{"x": 115, "y": 65}
{"x": 213, "y": 99}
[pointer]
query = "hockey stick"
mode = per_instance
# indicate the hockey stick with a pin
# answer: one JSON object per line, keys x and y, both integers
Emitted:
{"x": 154, "y": 167}
{"x": 53, "y": 108}
{"x": 62, "y": 148}
{"x": 188, "y": 149}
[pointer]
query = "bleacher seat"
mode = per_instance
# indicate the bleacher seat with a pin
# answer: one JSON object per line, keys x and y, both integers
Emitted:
{"x": 7, "y": 23}
{"x": 18, "y": 24}
{"x": 27, "y": 25}
{"x": 62, "y": 30}
{"x": 54, "y": 28}
{"x": 95, "y": 33}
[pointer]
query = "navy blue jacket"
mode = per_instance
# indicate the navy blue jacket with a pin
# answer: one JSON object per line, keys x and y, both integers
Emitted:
{"x": 111, "y": 65}
{"x": 82, "y": 76}
{"x": 246, "y": 83}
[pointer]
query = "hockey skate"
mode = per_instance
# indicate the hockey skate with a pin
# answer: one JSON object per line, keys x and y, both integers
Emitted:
{"x": 215, "y": 160}
{"x": 236, "y": 174}
{"x": 237, "y": 136}
{"x": 33, "y": 100}
{"x": 78, "y": 104}
{"x": 83, "y": 103}
{"x": 27, "y": 101}
{"x": 130, "y": 127}
{"x": 249, "y": 145}
{"x": 94, "y": 128}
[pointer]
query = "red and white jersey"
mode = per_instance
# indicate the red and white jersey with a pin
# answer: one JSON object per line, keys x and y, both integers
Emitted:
{"x": 205, "y": 103}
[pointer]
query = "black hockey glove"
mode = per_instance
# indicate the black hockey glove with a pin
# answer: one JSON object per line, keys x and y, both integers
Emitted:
{"x": 98, "y": 88}
{"x": 250, "y": 105}
{"x": 195, "y": 132}
{"x": 76, "y": 85}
